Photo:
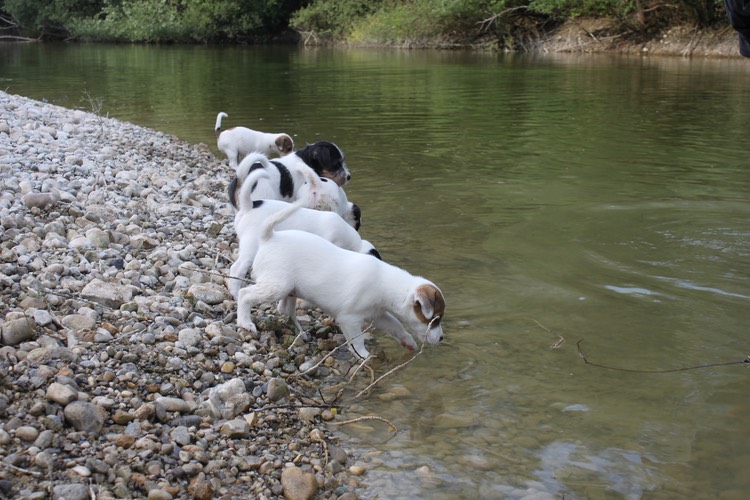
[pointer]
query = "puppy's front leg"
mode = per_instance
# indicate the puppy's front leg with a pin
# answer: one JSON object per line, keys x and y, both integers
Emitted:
{"x": 351, "y": 327}
{"x": 388, "y": 323}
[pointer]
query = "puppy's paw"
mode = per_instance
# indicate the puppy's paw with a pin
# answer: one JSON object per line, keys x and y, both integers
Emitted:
{"x": 359, "y": 351}
{"x": 247, "y": 324}
{"x": 409, "y": 344}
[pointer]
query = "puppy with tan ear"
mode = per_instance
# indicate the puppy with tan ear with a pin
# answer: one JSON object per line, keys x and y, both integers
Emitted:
{"x": 238, "y": 142}
{"x": 352, "y": 287}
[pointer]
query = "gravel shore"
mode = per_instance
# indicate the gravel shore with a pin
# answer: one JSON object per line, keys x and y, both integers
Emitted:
{"x": 122, "y": 371}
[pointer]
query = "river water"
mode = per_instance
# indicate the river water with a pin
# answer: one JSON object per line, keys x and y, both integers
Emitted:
{"x": 554, "y": 199}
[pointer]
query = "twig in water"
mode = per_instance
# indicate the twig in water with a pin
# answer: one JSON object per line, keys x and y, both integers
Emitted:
{"x": 560, "y": 341}
{"x": 335, "y": 398}
{"x": 421, "y": 349}
{"x": 327, "y": 355}
{"x": 631, "y": 370}
{"x": 368, "y": 417}
{"x": 359, "y": 367}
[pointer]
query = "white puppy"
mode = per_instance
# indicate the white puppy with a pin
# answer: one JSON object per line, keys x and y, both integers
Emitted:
{"x": 248, "y": 223}
{"x": 258, "y": 178}
{"x": 352, "y": 287}
{"x": 238, "y": 142}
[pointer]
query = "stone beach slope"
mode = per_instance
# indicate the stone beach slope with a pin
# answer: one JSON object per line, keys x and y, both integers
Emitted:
{"x": 122, "y": 371}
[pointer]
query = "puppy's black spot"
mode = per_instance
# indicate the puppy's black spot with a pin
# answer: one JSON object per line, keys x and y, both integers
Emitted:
{"x": 286, "y": 184}
{"x": 324, "y": 179}
{"x": 375, "y": 254}
{"x": 257, "y": 203}
{"x": 255, "y": 185}
{"x": 255, "y": 166}
{"x": 357, "y": 213}
{"x": 232, "y": 191}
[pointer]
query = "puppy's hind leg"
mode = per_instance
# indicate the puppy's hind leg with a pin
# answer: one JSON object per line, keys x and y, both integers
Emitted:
{"x": 288, "y": 307}
{"x": 238, "y": 271}
{"x": 237, "y": 274}
{"x": 251, "y": 296}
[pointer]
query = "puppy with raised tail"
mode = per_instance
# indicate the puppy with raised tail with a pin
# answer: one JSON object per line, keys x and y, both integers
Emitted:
{"x": 248, "y": 223}
{"x": 258, "y": 178}
{"x": 238, "y": 142}
{"x": 352, "y": 287}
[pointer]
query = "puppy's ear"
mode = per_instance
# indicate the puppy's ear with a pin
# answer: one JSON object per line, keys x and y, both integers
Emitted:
{"x": 429, "y": 302}
{"x": 285, "y": 144}
{"x": 321, "y": 157}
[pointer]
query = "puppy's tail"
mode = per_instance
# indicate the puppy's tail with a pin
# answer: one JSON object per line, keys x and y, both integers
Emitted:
{"x": 311, "y": 190}
{"x": 217, "y": 127}
{"x": 274, "y": 220}
{"x": 309, "y": 197}
{"x": 249, "y": 172}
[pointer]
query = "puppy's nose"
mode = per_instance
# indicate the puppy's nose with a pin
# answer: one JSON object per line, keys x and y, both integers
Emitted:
{"x": 441, "y": 338}
{"x": 348, "y": 177}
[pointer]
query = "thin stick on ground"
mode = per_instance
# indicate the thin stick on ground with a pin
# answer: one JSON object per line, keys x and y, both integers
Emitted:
{"x": 20, "y": 470}
{"x": 317, "y": 436}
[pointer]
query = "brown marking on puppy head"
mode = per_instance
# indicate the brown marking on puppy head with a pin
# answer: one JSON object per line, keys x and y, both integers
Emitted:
{"x": 429, "y": 305}
{"x": 285, "y": 144}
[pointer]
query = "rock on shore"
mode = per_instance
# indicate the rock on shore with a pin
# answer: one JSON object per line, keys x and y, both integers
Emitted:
{"x": 122, "y": 371}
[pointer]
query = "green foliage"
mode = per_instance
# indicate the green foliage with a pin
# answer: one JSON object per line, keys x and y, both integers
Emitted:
{"x": 154, "y": 20}
{"x": 375, "y": 21}
{"x": 332, "y": 17}
{"x": 576, "y": 8}
{"x": 35, "y": 18}
{"x": 404, "y": 22}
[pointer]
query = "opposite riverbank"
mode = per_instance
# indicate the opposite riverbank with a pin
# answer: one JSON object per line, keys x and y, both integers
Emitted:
{"x": 584, "y": 35}
{"x": 122, "y": 371}
{"x": 600, "y": 35}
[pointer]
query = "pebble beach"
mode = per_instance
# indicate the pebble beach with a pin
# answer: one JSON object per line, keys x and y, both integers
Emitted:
{"x": 123, "y": 373}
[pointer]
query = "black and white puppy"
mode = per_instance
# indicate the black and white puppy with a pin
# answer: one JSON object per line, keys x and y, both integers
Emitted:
{"x": 352, "y": 287}
{"x": 238, "y": 142}
{"x": 249, "y": 220}
{"x": 327, "y": 160}
{"x": 290, "y": 179}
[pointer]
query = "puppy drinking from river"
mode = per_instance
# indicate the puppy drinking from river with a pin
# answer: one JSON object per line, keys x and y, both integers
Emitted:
{"x": 352, "y": 287}
{"x": 248, "y": 223}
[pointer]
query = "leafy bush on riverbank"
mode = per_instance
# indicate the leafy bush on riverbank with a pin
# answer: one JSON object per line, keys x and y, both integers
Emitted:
{"x": 148, "y": 20}
{"x": 431, "y": 22}
{"x": 401, "y": 22}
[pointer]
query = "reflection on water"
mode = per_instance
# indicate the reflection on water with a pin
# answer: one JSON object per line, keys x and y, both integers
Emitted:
{"x": 552, "y": 198}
